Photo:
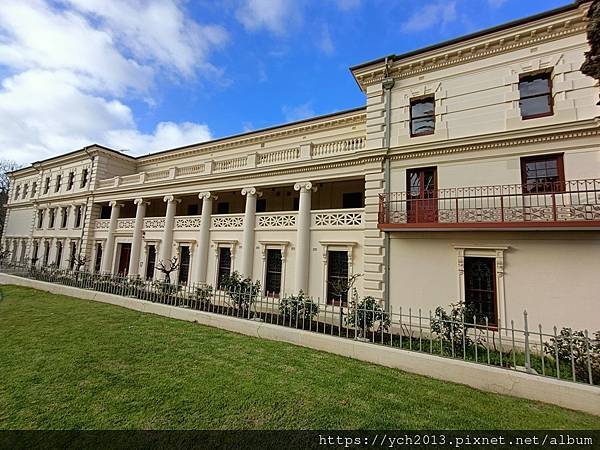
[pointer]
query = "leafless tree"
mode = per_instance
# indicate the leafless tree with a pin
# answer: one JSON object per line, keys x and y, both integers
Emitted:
{"x": 6, "y": 166}
{"x": 167, "y": 268}
{"x": 77, "y": 262}
{"x": 591, "y": 66}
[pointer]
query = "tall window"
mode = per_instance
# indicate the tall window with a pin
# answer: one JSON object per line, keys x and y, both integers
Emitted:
{"x": 58, "y": 182}
{"x": 46, "y": 185}
{"x": 224, "y": 265}
{"x": 70, "y": 181}
{"x": 72, "y": 255}
{"x": 536, "y": 95}
{"x": 422, "y": 116}
{"x": 40, "y": 222}
{"x": 78, "y": 215}
{"x": 184, "y": 264}
{"x": 25, "y": 190}
{"x": 64, "y": 216}
{"x": 274, "y": 270}
{"x": 33, "y": 189}
{"x": 337, "y": 277}
{"x": 46, "y": 253}
{"x": 51, "y": 217}
{"x": 59, "y": 252}
{"x": 480, "y": 288}
{"x": 151, "y": 262}
{"x": 17, "y": 190}
{"x": 543, "y": 173}
{"x": 34, "y": 252}
{"x": 84, "y": 178}
{"x": 98, "y": 261}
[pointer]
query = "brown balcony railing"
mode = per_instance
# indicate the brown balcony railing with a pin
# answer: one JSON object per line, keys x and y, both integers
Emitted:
{"x": 560, "y": 204}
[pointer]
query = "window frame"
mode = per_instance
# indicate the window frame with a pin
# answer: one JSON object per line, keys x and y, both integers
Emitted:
{"x": 58, "y": 183}
{"x": 558, "y": 186}
{"x": 533, "y": 75}
{"x": 414, "y": 101}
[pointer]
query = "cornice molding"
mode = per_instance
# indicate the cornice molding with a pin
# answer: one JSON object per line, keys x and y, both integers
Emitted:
{"x": 497, "y": 144}
{"x": 356, "y": 118}
{"x": 569, "y": 25}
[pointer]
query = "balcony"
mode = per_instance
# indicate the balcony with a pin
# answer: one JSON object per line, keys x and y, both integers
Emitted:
{"x": 562, "y": 205}
{"x": 325, "y": 219}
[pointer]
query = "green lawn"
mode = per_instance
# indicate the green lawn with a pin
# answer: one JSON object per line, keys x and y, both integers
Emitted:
{"x": 68, "y": 363}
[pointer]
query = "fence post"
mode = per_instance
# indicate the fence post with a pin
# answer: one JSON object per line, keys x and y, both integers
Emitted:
{"x": 527, "y": 354}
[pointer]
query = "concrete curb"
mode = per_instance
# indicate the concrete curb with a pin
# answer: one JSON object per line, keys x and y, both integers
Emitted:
{"x": 570, "y": 395}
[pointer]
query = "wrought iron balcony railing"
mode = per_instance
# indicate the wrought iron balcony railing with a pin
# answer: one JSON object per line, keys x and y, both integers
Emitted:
{"x": 565, "y": 204}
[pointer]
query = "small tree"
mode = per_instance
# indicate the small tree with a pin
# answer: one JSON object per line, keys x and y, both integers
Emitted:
{"x": 77, "y": 262}
{"x": 365, "y": 313}
{"x": 241, "y": 291}
{"x": 298, "y": 308}
{"x": 168, "y": 268}
{"x": 584, "y": 351}
{"x": 451, "y": 327}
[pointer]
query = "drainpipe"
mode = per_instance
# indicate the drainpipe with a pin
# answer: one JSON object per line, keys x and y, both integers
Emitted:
{"x": 388, "y": 84}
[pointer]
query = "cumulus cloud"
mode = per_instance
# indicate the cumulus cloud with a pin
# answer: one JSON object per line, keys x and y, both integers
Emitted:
{"x": 325, "y": 43}
{"x": 274, "y": 15}
{"x": 298, "y": 112}
{"x": 440, "y": 13}
{"x": 72, "y": 65}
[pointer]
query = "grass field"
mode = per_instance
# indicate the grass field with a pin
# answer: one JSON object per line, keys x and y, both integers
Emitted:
{"x": 74, "y": 364}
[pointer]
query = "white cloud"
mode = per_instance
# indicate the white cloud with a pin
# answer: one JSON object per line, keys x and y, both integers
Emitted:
{"x": 298, "y": 112}
{"x": 274, "y": 15}
{"x": 347, "y": 5}
{"x": 440, "y": 13}
{"x": 73, "y": 64}
{"x": 325, "y": 43}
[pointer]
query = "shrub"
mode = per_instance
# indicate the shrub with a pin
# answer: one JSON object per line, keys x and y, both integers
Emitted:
{"x": 364, "y": 314}
{"x": 203, "y": 294}
{"x": 451, "y": 327}
{"x": 241, "y": 291}
{"x": 298, "y": 308}
{"x": 586, "y": 352}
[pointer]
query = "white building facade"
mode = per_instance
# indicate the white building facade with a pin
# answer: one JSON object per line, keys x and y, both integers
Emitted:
{"x": 472, "y": 173}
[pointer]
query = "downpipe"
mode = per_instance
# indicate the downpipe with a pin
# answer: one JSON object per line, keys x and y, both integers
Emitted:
{"x": 388, "y": 84}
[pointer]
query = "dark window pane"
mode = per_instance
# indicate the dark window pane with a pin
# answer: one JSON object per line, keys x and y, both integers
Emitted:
{"x": 480, "y": 288}
{"x": 261, "y": 205}
{"x": 223, "y": 208}
{"x": 534, "y": 106}
{"x": 422, "y": 109}
{"x": 184, "y": 264}
{"x": 273, "y": 278}
{"x": 352, "y": 200}
{"x": 192, "y": 210}
{"x": 543, "y": 174}
{"x": 151, "y": 262}
{"x": 224, "y": 265}
{"x": 422, "y": 126}
{"x": 337, "y": 277}
{"x": 534, "y": 86}
{"x": 105, "y": 212}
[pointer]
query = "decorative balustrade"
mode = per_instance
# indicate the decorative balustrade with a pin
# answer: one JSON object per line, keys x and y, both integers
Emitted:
{"x": 337, "y": 218}
{"x": 157, "y": 175}
{"x": 280, "y": 220}
{"x": 154, "y": 223}
{"x": 332, "y": 148}
{"x": 187, "y": 222}
{"x": 562, "y": 204}
{"x": 278, "y": 156}
{"x": 125, "y": 224}
{"x": 129, "y": 179}
{"x": 230, "y": 164}
{"x": 101, "y": 224}
{"x": 225, "y": 221}
{"x": 189, "y": 170}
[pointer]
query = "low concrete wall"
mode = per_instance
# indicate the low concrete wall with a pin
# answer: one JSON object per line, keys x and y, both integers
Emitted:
{"x": 486, "y": 378}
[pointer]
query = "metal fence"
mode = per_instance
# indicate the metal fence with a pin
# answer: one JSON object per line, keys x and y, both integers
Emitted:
{"x": 452, "y": 332}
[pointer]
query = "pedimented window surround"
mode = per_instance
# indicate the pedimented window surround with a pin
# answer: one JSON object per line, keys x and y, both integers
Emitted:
{"x": 278, "y": 245}
{"x": 223, "y": 243}
{"x": 344, "y": 246}
{"x": 495, "y": 252}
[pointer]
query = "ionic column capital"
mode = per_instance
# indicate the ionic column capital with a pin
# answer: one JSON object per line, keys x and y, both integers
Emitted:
{"x": 252, "y": 191}
{"x": 305, "y": 186}
{"x": 171, "y": 199}
{"x": 139, "y": 201}
{"x": 114, "y": 203}
{"x": 206, "y": 195}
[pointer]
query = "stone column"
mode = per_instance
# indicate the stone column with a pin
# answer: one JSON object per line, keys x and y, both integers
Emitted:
{"x": 303, "y": 237}
{"x": 204, "y": 236}
{"x": 136, "y": 245}
{"x": 167, "y": 238}
{"x": 109, "y": 248}
{"x": 248, "y": 237}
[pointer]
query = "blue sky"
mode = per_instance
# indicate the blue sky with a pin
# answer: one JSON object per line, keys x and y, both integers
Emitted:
{"x": 146, "y": 75}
